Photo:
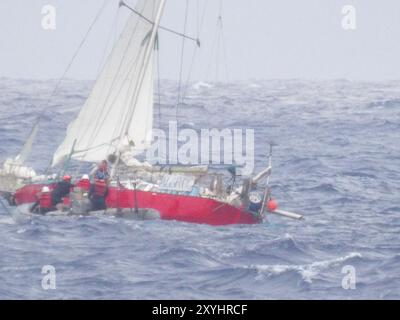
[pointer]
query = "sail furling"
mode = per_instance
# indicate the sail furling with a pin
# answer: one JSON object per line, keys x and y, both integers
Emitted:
{"x": 118, "y": 115}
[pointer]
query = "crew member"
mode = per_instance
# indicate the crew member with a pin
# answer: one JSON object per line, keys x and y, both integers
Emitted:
{"x": 84, "y": 183}
{"x": 44, "y": 203}
{"x": 102, "y": 173}
{"x": 97, "y": 195}
{"x": 61, "y": 191}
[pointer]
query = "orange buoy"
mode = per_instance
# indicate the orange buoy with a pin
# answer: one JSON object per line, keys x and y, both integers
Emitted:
{"x": 272, "y": 205}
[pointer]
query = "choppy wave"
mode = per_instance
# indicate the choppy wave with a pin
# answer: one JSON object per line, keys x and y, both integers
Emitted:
{"x": 336, "y": 162}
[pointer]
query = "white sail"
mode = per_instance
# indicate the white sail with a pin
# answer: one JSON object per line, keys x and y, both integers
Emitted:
{"x": 14, "y": 171}
{"x": 27, "y": 148}
{"x": 119, "y": 111}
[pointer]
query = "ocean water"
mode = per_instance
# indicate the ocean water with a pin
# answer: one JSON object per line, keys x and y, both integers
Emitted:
{"x": 337, "y": 161}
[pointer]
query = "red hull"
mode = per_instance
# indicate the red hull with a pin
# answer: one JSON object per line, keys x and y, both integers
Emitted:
{"x": 171, "y": 207}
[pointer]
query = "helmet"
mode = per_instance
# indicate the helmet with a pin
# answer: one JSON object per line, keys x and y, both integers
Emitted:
{"x": 85, "y": 177}
{"x": 45, "y": 189}
{"x": 67, "y": 178}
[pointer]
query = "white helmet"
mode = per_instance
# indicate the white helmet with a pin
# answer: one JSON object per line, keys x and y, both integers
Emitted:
{"x": 45, "y": 189}
{"x": 85, "y": 177}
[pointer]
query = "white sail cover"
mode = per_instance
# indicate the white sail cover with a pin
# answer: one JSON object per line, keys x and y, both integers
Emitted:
{"x": 118, "y": 115}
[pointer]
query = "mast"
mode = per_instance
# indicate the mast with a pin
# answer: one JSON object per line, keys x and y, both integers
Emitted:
{"x": 139, "y": 85}
{"x": 142, "y": 72}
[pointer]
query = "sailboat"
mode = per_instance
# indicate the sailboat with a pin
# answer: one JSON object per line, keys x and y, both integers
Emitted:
{"x": 116, "y": 123}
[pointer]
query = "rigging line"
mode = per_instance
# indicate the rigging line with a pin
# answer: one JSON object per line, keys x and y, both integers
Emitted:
{"x": 218, "y": 56}
{"x": 203, "y": 16}
{"x": 58, "y": 85}
{"x": 123, "y": 4}
{"x": 185, "y": 91}
{"x": 159, "y": 82}
{"x": 210, "y": 65}
{"x": 198, "y": 18}
{"x": 199, "y": 30}
{"x": 182, "y": 58}
{"x": 74, "y": 57}
{"x": 225, "y": 57}
{"x": 217, "y": 46}
{"x": 223, "y": 41}
{"x": 220, "y": 26}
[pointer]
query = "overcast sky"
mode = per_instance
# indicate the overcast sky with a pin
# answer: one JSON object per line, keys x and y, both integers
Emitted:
{"x": 265, "y": 39}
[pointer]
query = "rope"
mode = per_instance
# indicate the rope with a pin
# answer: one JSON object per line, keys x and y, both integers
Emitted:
{"x": 218, "y": 48}
{"x": 183, "y": 35}
{"x": 182, "y": 59}
{"x": 223, "y": 44}
{"x": 159, "y": 84}
{"x": 74, "y": 57}
{"x": 199, "y": 30}
{"x": 58, "y": 85}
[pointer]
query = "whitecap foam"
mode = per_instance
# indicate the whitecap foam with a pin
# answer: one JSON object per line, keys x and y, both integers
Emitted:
{"x": 7, "y": 220}
{"x": 308, "y": 271}
{"x": 254, "y": 86}
{"x": 202, "y": 85}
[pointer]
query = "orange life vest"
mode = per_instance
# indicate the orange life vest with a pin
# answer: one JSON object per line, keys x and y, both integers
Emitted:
{"x": 84, "y": 185}
{"x": 66, "y": 202}
{"x": 45, "y": 201}
{"x": 100, "y": 188}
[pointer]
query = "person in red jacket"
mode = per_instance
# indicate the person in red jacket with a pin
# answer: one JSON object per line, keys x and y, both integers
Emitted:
{"x": 84, "y": 183}
{"x": 44, "y": 203}
{"x": 97, "y": 195}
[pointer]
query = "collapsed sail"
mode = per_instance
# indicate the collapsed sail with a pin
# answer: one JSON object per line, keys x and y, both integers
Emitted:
{"x": 118, "y": 115}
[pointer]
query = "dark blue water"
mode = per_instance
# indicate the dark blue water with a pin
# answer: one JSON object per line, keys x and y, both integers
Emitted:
{"x": 338, "y": 162}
